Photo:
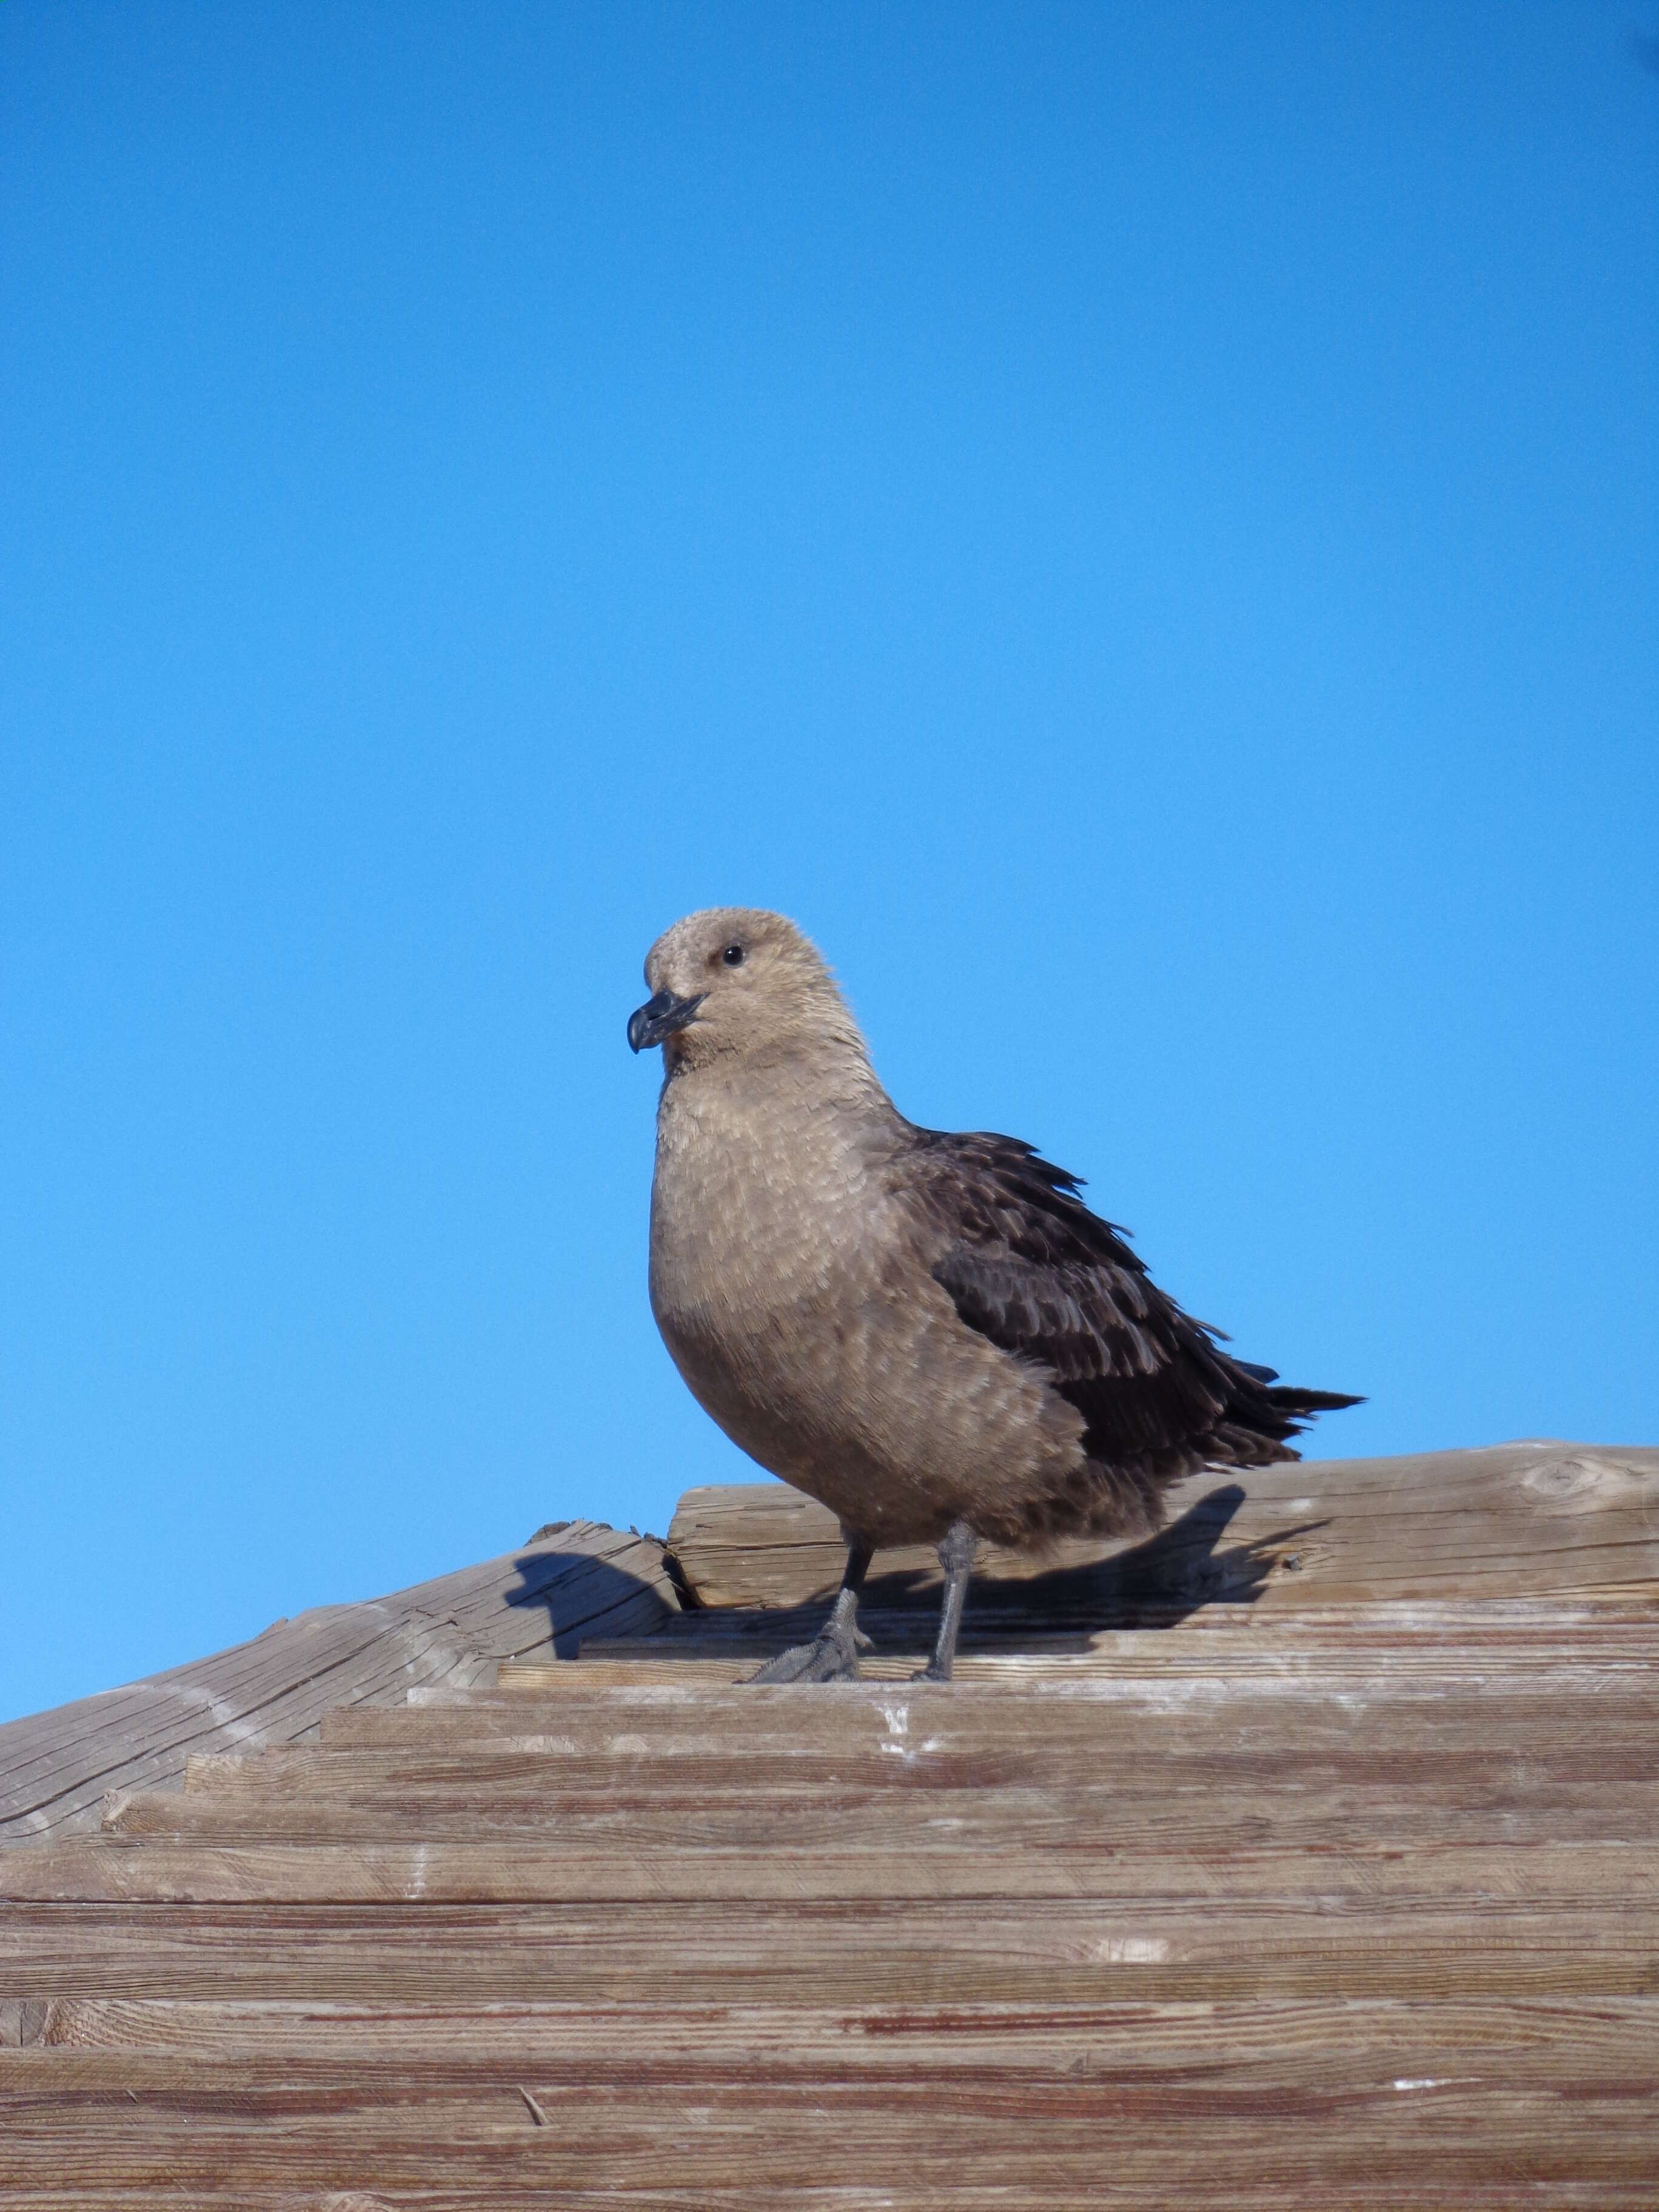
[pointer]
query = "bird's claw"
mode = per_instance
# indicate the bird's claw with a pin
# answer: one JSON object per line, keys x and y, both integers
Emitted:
{"x": 831, "y": 1657}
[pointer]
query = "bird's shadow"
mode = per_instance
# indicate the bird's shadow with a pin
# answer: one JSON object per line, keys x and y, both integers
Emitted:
{"x": 564, "y": 1598}
{"x": 1151, "y": 1585}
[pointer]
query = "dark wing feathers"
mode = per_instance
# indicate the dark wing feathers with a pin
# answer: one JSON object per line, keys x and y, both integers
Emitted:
{"x": 1030, "y": 1267}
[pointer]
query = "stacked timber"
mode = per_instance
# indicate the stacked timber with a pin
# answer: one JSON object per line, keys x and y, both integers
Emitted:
{"x": 573, "y": 1578}
{"x": 1514, "y": 1521}
{"x": 1333, "y": 1882}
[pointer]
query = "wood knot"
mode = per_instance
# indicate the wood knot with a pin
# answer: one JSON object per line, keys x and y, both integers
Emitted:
{"x": 1575, "y": 1476}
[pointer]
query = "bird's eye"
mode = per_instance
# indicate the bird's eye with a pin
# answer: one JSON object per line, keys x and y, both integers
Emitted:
{"x": 733, "y": 955}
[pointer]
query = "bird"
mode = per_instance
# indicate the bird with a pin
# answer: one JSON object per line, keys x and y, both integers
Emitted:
{"x": 930, "y": 1332}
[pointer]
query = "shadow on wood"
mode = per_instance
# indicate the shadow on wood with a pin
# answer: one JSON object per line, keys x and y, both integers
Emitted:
{"x": 1155, "y": 1583}
{"x": 573, "y": 1579}
{"x": 576, "y": 1591}
{"x": 1538, "y": 1519}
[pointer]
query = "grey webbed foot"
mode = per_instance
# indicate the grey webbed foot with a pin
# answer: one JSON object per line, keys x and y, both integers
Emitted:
{"x": 831, "y": 1657}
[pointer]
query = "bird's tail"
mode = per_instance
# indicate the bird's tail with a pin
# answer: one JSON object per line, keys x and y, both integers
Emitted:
{"x": 1288, "y": 1399}
{"x": 1285, "y": 1398}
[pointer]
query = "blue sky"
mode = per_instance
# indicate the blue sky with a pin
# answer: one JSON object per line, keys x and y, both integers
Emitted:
{"x": 1137, "y": 526}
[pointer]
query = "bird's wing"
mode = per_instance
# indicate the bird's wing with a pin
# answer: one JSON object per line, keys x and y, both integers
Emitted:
{"x": 1029, "y": 1265}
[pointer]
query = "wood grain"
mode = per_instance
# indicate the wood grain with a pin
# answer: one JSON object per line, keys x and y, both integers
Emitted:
{"x": 1544, "y": 1519}
{"x": 1365, "y": 1914}
{"x": 580, "y": 1578}
{"x": 1348, "y": 1896}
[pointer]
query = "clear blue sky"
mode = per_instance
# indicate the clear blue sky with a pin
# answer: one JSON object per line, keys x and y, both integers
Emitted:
{"x": 1138, "y": 526}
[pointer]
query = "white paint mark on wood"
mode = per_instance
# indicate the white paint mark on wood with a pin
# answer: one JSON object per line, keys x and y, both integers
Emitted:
{"x": 1134, "y": 1950}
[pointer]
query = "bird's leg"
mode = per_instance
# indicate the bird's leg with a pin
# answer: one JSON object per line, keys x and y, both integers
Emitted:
{"x": 833, "y": 1653}
{"x": 956, "y": 1556}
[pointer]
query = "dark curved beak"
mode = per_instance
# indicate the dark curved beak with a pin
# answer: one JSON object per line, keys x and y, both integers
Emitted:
{"x": 658, "y": 1018}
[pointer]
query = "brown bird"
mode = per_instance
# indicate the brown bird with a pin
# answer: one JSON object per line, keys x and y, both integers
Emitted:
{"x": 930, "y": 1333}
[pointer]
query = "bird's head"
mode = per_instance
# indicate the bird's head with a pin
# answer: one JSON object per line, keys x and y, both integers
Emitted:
{"x": 737, "y": 981}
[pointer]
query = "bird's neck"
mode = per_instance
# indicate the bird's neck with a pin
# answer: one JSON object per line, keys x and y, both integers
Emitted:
{"x": 787, "y": 1092}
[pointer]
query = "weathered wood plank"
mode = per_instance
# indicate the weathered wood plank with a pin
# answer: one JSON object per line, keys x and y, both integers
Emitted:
{"x": 480, "y": 2101}
{"x": 1567, "y": 1743}
{"x": 1339, "y": 1817}
{"x": 1544, "y": 1519}
{"x": 1333, "y": 1643}
{"x": 356, "y": 1871}
{"x": 674, "y": 2041}
{"x": 911, "y": 1951}
{"x": 1159, "y": 2144}
{"x": 1604, "y": 1729}
{"x": 582, "y": 1579}
{"x": 1352, "y": 1902}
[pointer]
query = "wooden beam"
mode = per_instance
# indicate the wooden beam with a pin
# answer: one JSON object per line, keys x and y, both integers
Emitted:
{"x": 580, "y": 1578}
{"x": 1357, "y": 1905}
{"x": 1540, "y": 1520}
